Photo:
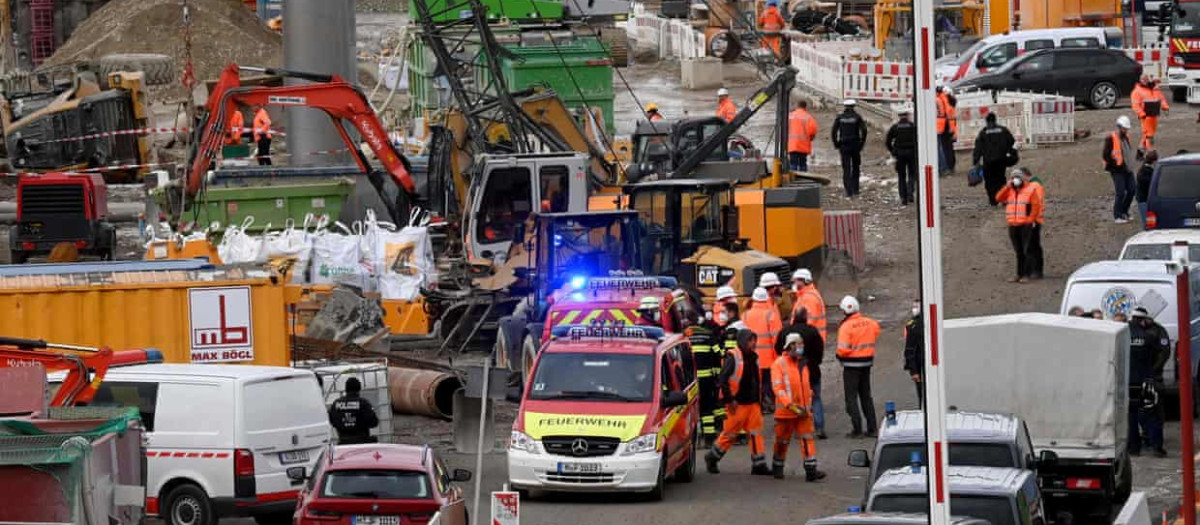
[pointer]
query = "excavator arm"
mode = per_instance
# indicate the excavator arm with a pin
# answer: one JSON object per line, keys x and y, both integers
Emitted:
{"x": 339, "y": 99}
{"x": 84, "y": 372}
{"x": 780, "y": 85}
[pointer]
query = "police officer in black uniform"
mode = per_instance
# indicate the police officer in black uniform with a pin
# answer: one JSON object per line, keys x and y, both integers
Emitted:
{"x": 902, "y": 144}
{"x": 352, "y": 416}
{"x": 849, "y": 137}
{"x": 1149, "y": 350}
{"x": 992, "y": 148}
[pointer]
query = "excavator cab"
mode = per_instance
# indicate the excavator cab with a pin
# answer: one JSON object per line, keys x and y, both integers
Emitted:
{"x": 580, "y": 245}
{"x": 660, "y": 146}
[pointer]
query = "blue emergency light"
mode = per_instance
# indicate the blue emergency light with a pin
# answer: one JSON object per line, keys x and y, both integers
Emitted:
{"x": 854, "y": 509}
{"x": 889, "y": 411}
{"x": 578, "y": 282}
{"x": 915, "y": 460}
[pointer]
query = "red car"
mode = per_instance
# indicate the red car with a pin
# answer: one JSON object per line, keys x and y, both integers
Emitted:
{"x": 379, "y": 485}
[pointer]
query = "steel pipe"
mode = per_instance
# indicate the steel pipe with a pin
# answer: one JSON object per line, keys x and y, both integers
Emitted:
{"x": 422, "y": 392}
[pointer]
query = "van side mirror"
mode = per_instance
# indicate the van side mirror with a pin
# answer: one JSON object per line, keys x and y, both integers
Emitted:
{"x": 1047, "y": 458}
{"x": 676, "y": 398}
{"x": 859, "y": 458}
{"x": 297, "y": 475}
{"x": 461, "y": 475}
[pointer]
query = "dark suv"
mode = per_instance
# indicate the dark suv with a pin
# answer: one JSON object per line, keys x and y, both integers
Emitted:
{"x": 1174, "y": 200}
{"x": 1096, "y": 77}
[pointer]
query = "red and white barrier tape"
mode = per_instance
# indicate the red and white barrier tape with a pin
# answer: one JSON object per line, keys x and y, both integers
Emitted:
{"x": 139, "y": 131}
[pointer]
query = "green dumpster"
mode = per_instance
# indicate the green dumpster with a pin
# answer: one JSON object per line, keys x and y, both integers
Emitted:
{"x": 272, "y": 203}
{"x": 579, "y": 70}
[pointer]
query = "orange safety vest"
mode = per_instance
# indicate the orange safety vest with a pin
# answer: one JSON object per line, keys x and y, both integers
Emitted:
{"x": 735, "y": 381}
{"x": 236, "y": 124}
{"x": 810, "y": 298}
{"x": 856, "y": 341}
{"x": 791, "y": 386}
{"x": 947, "y": 115}
{"x": 1117, "y": 155}
{"x": 655, "y": 116}
{"x": 262, "y": 125}
{"x": 727, "y": 110}
{"x": 763, "y": 319}
{"x": 1018, "y": 204}
{"x": 802, "y": 127}
{"x": 1141, "y": 95}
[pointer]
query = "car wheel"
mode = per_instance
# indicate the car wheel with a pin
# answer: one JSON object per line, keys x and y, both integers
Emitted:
{"x": 656, "y": 494}
{"x": 687, "y": 471}
{"x": 1123, "y": 485}
{"x": 1179, "y": 95}
{"x": 188, "y": 505}
{"x": 1103, "y": 95}
{"x": 529, "y": 351}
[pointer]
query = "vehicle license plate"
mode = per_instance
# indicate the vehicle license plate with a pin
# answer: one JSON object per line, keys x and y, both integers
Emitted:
{"x": 376, "y": 520}
{"x": 578, "y": 468}
{"x": 1191, "y": 221}
{"x": 295, "y": 456}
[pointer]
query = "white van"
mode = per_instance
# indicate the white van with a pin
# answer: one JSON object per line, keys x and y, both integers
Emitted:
{"x": 1118, "y": 286}
{"x": 1155, "y": 245}
{"x": 997, "y": 50}
{"x": 220, "y": 438}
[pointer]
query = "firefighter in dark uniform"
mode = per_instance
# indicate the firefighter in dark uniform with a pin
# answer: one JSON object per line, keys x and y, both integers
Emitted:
{"x": 1149, "y": 350}
{"x": 710, "y": 355}
{"x": 352, "y": 416}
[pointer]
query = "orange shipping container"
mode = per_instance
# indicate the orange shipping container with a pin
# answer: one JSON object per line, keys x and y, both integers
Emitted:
{"x": 209, "y": 314}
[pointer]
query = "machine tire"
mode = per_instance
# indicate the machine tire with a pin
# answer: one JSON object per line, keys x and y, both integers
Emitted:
{"x": 1179, "y": 95}
{"x": 156, "y": 69}
{"x": 1103, "y": 95}
{"x": 1123, "y": 485}
{"x": 529, "y": 351}
{"x": 686, "y": 472}
{"x": 188, "y": 501}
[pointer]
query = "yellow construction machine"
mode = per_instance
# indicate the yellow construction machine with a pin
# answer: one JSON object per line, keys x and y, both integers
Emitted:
{"x": 893, "y": 19}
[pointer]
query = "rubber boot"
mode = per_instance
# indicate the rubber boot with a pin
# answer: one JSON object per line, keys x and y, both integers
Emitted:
{"x": 812, "y": 474}
{"x": 777, "y": 471}
{"x": 760, "y": 470}
{"x": 710, "y": 461}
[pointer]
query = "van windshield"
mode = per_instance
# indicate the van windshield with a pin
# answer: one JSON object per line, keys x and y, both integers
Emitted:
{"x": 1157, "y": 252}
{"x": 961, "y": 454}
{"x": 1179, "y": 181}
{"x": 593, "y": 377}
{"x": 1186, "y": 25}
{"x": 995, "y": 509}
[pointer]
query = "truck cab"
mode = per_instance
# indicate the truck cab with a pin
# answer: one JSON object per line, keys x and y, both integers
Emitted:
{"x": 1002, "y": 496}
{"x": 55, "y": 208}
{"x": 1183, "y": 62}
{"x": 608, "y": 409}
{"x": 976, "y": 439}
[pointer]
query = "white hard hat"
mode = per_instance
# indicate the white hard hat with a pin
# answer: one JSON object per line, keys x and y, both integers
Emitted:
{"x": 802, "y": 274}
{"x": 947, "y": 90}
{"x": 722, "y": 92}
{"x": 849, "y": 304}
{"x": 760, "y": 295}
{"x": 849, "y": 102}
{"x": 769, "y": 279}
{"x": 648, "y": 302}
{"x": 1123, "y": 122}
{"x": 725, "y": 292}
{"x": 793, "y": 338}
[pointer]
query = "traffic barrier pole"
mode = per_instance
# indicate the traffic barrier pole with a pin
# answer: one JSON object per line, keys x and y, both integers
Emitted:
{"x": 930, "y": 241}
{"x": 1183, "y": 350}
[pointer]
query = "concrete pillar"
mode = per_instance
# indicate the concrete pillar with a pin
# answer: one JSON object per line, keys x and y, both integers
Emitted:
{"x": 318, "y": 37}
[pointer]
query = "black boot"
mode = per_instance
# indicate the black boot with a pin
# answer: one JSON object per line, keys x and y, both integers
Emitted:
{"x": 710, "y": 461}
{"x": 812, "y": 474}
{"x": 777, "y": 468}
{"x": 760, "y": 469}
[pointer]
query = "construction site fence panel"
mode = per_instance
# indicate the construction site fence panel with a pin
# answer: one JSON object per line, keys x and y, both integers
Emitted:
{"x": 820, "y": 70}
{"x": 675, "y": 39}
{"x": 877, "y": 80}
{"x": 1033, "y": 118}
{"x": 1152, "y": 57}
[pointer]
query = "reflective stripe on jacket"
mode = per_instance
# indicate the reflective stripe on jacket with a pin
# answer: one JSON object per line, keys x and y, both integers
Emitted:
{"x": 1018, "y": 204}
{"x": 791, "y": 385}
{"x": 802, "y": 127}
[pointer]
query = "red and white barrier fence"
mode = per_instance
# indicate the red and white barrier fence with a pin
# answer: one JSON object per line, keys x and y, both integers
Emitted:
{"x": 1152, "y": 57}
{"x": 675, "y": 39}
{"x": 138, "y": 131}
{"x": 972, "y": 119}
{"x": 844, "y": 232}
{"x": 877, "y": 80}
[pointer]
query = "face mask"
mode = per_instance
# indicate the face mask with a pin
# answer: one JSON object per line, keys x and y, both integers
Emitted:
{"x": 916, "y": 310}
{"x": 1017, "y": 183}
{"x": 724, "y": 317}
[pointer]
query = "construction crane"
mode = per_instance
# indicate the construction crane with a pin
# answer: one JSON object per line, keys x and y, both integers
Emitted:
{"x": 85, "y": 366}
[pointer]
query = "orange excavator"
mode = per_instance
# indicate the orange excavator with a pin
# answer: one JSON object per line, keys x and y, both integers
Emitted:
{"x": 339, "y": 99}
{"x": 85, "y": 366}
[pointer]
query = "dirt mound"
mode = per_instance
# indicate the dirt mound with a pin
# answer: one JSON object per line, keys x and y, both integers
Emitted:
{"x": 223, "y": 31}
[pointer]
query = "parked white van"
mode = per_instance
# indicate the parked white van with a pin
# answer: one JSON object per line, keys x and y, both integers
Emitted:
{"x": 221, "y": 438}
{"x": 997, "y": 50}
{"x": 1156, "y": 245}
{"x": 1118, "y": 286}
